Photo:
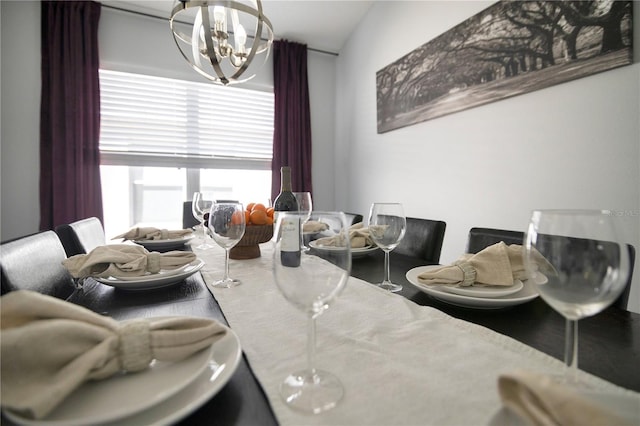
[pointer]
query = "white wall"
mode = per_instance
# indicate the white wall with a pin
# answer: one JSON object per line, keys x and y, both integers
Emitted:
{"x": 132, "y": 43}
{"x": 574, "y": 145}
{"x": 20, "y": 121}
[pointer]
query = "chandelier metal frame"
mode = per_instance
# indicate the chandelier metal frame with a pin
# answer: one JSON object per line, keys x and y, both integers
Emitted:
{"x": 213, "y": 45}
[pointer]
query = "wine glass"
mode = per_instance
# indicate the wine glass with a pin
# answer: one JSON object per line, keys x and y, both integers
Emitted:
{"x": 578, "y": 265}
{"x": 305, "y": 205}
{"x": 200, "y": 208}
{"x": 387, "y": 225}
{"x": 227, "y": 225}
{"x": 311, "y": 280}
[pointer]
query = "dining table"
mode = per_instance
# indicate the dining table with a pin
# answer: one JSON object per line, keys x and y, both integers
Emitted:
{"x": 404, "y": 358}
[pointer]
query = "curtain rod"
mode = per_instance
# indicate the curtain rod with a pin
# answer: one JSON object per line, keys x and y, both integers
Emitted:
{"x": 326, "y": 52}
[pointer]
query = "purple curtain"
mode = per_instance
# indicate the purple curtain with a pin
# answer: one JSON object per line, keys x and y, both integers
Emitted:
{"x": 69, "y": 113}
{"x": 292, "y": 119}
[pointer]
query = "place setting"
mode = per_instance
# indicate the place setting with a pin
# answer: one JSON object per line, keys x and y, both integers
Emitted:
{"x": 133, "y": 267}
{"x": 118, "y": 371}
{"x": 359, "y": 235}
{"x": 493, "y": 278}
{"x": 157, "y": 239}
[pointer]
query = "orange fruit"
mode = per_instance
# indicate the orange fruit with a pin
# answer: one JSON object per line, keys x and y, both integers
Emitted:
{"x": 269, "y": 221}
{"x": 250, "y": 206}
{"x": 236, "y": 218}
{"x": 258, "y": 217}
{"x": 247, "y": 219}
{"x": 270, "y": 212}
{"x": 259, "y": 206}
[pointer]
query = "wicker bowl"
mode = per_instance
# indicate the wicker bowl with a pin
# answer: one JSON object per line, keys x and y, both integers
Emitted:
{"x": 247, "y": 247}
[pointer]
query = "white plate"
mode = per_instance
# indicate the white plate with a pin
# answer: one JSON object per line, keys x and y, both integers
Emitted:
{"x": 485, "y": 291}
{"x": 527, "y": 293}
{"x": 355, "y": 252}
{"x": 125, "y": 394}
{"x": 363, "y": 251}
{"x": 626, "y": 406}
{"x": 223, "y": 363}
{"x": 169, "y": 244}
{"x": 152, "y": 281}
{"x": 164, "y": 272}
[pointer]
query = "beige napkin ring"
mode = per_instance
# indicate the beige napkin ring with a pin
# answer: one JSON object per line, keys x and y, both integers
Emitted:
{"x": 135, "y": 345}
{"x": 153, "y": 261}
{"x": 468, "y": 273}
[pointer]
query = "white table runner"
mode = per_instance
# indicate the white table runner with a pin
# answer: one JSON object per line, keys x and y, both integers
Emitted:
{"x": 400, "y": 363}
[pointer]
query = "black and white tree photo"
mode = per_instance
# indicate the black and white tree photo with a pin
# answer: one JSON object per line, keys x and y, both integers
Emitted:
{"x": 511, "y": 48}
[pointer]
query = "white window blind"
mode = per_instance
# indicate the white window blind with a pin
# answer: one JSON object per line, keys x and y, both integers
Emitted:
{"x": 155, "y": 121}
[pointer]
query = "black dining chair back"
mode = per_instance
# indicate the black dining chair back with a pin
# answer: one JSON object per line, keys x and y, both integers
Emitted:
{"x": 188, "y": 220}
{"x": 353, "y": 218}
{"x": 82, "y": 236}
{"x": 423, "y": 239}
{"x": 481, "y": 238}
{"x": 34, "y": 263}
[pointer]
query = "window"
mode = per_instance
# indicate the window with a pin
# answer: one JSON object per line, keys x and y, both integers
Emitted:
{"x": 163, "y": 139}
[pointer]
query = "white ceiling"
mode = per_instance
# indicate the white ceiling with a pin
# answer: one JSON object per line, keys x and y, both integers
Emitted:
{"x": 320, "y": 24}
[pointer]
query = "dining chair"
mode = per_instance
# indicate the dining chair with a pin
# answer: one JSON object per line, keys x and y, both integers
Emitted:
{"x": 34, "y": 263}
{"x": 188, "y": 220}
{"x": 353, "y": 218}
{"x": 423, "y": 239}
{"x": 481, "y": 238}
{"x": 82, "y": 236}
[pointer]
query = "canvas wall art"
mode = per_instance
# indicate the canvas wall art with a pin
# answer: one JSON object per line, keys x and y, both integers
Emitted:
{"x": 508, "y": 49}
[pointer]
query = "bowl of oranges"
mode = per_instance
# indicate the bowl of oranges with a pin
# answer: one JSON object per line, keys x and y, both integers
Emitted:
{"x": 259, "y": 229}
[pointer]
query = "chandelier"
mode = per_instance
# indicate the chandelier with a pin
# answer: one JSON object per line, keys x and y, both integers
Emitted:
{"x": 225, "y": 54}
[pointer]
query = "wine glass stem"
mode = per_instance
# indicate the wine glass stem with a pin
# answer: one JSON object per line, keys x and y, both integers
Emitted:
{"x": 226, "y": 264}
{"x": 571, "y": 350}
{"x": 204, "y": 232}
{"x": 387, "y": 272}
{"x": 303, "y": 244}
{"x": 311, "y": 346}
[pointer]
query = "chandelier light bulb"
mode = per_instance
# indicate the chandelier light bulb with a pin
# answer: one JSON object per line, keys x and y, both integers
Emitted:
{"x": 220, "y": 18}
{"x": 241, "y": 39}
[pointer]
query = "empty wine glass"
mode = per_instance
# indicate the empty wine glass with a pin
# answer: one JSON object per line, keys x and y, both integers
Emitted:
{"x": 200, "y": 209}
{"x": 305, "y": 205}
{"x": 387, "y": 225}
{"x": 579, "y": 266}
{"x": 227, "y": 225}
{"x": 311, "y": 280}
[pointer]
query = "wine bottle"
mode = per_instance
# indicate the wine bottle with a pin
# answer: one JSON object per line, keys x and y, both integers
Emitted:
{"x": 285, "y": 201}
{"x": 290, "y": 242}
{"x": 290, "y": 227}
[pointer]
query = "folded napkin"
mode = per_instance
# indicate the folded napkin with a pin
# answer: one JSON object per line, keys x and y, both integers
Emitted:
{"x": 358, "y": 234}
{"x": 314, "y": 226}
{"x": 124, "y": 260}
{"x": 541, "y": 401}
{"x": 49, "y": 347}
{"x": 498, "y": 264}
{"x": 150, "y": 233}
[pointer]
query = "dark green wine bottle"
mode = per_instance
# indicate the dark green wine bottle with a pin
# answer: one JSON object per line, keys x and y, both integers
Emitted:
{"x": 285, "y": 201}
